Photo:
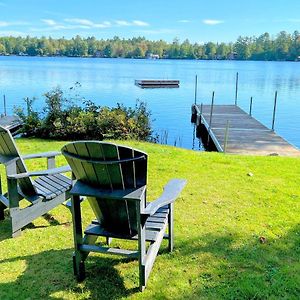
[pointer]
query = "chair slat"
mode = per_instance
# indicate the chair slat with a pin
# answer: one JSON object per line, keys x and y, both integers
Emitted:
{"x": 8, "y": 148}
{"x": 94, "y": 229}
{"x": 118, "y": 216}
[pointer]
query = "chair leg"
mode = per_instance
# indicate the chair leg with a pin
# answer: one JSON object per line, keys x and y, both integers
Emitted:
{"x": 108, "y": 240}
{"x": 14, "y": 217}
{"x": 78, "y": 267}
{"x": 2, "y": 207}
{"x": 141, "y": 247}
{"x": 78, "y": 264}
{"x": 16, "y": 233}
{"x": 171, "y": 227}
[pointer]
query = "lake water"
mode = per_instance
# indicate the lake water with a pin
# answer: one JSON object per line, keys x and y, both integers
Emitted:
{"x": 108, "y": 81}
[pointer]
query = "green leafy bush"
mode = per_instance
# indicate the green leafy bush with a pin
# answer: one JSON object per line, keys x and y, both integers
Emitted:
{"x": 62, "y": 119}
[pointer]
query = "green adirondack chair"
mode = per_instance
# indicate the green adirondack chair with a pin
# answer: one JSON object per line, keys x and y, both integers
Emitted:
{"x": 49, "y": 189}
{"x": 114, "y": 179}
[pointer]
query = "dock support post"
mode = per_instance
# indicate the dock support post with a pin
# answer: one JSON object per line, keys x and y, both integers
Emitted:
{"x": 236, "y": 87}
{"x": 4, "y": 104}
{"x": 199, "y": 115}
{"x": 274, "y": 111}
{"x": 211, "y": 113}
{"x": 196, "y": 88}
{"x": 250, "y": 109}
{"x": 226, "y": 136}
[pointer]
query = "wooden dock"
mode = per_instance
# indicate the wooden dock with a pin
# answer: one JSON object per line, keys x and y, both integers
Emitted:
{"x": 157, "y": 83}
{"x": 245, "y": 135}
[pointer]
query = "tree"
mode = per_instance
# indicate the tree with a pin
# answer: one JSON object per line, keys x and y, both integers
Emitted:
{"x": 210, "y": 50}
{"x": 107, "y": 51}
{"x": 2, "y": 49}
{"x": 243, "y": 47}
{"x": 283, "y": 43}
{"x": 222, "y": 51}
{"x": 284, "y": 47}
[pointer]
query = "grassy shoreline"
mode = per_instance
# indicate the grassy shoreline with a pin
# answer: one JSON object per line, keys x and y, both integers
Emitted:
{"x": 219, "y": 220}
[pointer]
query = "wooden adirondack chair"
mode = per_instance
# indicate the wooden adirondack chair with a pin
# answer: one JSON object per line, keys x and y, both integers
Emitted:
{"x": 114, "y": 179}
{"x": 49, "y": 189}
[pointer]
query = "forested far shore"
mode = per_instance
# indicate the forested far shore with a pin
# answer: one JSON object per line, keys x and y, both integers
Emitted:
{"x": 283, "y": 47}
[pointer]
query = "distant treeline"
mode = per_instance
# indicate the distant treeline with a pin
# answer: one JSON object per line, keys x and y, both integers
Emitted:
{"x": 284, "y": 46}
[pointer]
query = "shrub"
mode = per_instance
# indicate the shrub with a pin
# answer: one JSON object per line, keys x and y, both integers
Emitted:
{"x": 61, "y": 118}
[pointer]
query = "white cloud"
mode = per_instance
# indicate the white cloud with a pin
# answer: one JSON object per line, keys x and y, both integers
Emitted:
{"x": 88, "y": 23}
{"x": 3, "y": 24}
{"x": 6, "y": 24}
{"x": 184, "y": 21}
{"x": 131, "y": 23}
{"x": 59, "y": 27}
{"x": 212, "y": 22}
{"x": 140, "y": 23}
{"x": 123, "y": 23}
{"x": 80, "y": 21}
{"x": 49, "y": 22}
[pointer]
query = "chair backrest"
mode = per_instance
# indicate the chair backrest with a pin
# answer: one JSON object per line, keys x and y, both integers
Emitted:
{"x": 9, "y": 151}
{"x": 111, "y": 167}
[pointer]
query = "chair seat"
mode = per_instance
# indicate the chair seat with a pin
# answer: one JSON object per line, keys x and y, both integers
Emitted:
{"x": 51, "y": 186}
{"x": 154, "y": 225}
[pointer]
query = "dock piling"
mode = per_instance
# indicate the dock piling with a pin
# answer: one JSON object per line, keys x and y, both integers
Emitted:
{"x": 211, "y": 107}
{"x": 196, "y": 88}
{"x": 226, "y": 136}
{"x": 211, "y": 113}
{"x": 4, "y": 105}
{"x": 250, "y": 109}
{"x": 274, "y": 111}
{"x": 236, "y": 87}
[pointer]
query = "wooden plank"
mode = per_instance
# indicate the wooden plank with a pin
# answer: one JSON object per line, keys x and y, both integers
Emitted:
{"x": 94, "y": 229}
{"x": 107, "y": 250}
{"x": 171, "y": 192}
{"x": 9, "y": 148}
{"x": 4, "y": 200}
{"x": 82, "y": 189}
{"x": 152, "y": 252}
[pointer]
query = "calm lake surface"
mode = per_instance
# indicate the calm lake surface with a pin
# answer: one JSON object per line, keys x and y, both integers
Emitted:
{"x": 108, "y": 81}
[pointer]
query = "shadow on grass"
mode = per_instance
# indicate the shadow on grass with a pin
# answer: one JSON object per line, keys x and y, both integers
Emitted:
{"x": 49, "y": 275}
{"x": 229, "y": 268}
{"x": 213, "y": 266}
{"x": 5, "y": 232}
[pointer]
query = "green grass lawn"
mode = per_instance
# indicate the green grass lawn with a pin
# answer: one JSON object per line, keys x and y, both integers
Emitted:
{"x": 219, "y": 221}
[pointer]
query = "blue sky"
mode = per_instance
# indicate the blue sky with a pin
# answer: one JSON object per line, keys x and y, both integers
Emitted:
{"x": 197, "y": 20}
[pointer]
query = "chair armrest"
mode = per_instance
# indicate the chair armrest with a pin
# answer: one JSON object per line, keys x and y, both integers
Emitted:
{"x": 42, "y": 155}
{"x": 171, "y": 191}
{"x": 53, "y": 171}
{"x": 82, "y": 189}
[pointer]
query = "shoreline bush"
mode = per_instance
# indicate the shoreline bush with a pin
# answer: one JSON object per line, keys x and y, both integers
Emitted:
{"x": 62, "y": 119}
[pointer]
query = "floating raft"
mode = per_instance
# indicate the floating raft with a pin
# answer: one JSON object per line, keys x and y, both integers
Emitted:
{"x": 157, "y": 83}
{"x": 245, "y": 134}
{"x": 12, "y": 123}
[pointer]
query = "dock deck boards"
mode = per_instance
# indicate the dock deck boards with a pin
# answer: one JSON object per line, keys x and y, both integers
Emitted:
{"x": 246, "y": 134}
